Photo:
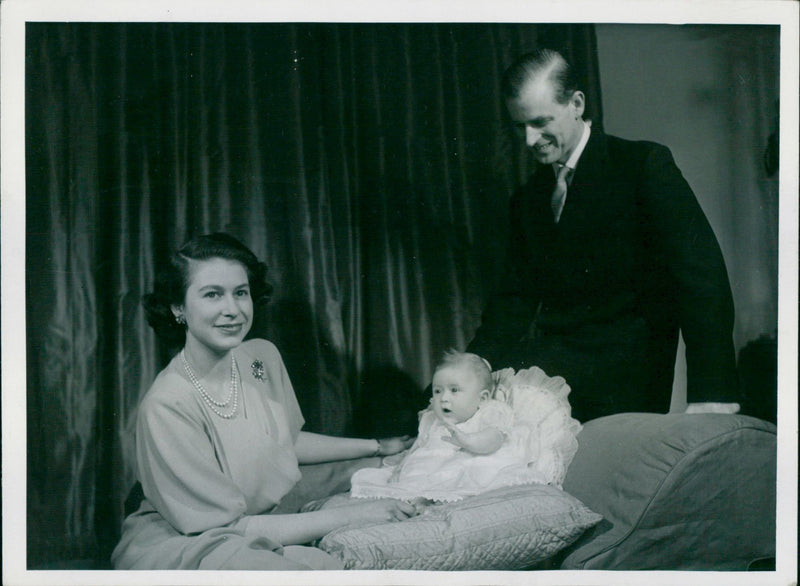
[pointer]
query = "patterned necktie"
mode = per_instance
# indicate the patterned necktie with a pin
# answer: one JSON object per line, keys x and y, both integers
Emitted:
{"x": 560, "y": 192}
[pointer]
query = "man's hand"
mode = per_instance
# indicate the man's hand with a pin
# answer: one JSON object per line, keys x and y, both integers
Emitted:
{"x": 728, "y": 408}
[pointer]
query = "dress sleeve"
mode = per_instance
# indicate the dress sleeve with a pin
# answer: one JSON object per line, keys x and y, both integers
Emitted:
{"x": 177, "y": 467}
{"x": 294, "y": 415}
{"x": 280, "y": 387}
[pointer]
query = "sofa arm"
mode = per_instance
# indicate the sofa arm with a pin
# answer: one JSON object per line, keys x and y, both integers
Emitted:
{"x": 323, "y": 480}
{"x": 676, "y": 491}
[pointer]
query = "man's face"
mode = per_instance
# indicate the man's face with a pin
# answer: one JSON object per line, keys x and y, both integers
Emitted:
{"x": 551, "y": 130}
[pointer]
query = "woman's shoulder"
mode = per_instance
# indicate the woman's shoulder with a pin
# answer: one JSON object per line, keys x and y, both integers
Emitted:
{"x": 169, "y": 389}
{"x": 260, "y": 349}
{"x": 262, "y": 358}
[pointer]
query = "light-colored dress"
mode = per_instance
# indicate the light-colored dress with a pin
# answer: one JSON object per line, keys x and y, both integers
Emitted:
{"x": 438, "y": 470}
{"x": 205, "y": 477}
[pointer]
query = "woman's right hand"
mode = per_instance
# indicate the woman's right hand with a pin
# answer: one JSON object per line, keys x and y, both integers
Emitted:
{"x": 380, "y": 511}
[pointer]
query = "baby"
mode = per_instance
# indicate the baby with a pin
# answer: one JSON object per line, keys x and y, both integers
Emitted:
{"x": 466, "y": 443}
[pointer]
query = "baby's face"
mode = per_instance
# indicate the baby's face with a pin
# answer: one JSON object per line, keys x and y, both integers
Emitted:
{"x": 457, "y": 392}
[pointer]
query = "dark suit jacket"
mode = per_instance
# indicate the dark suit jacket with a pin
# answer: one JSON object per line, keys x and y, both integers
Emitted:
{"x": 599, "y": 297}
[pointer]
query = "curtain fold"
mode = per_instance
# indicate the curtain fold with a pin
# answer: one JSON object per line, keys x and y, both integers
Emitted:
{"x": 369, "y": 165}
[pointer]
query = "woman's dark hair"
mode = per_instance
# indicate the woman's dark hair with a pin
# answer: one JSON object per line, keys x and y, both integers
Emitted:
{"x": 173, "y": 281}
{"x": 540, "y": 62}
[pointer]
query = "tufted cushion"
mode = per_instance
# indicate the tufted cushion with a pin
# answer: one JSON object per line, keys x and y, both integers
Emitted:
{"x": 676, "y": 491}
{"x": 506, "y": 529}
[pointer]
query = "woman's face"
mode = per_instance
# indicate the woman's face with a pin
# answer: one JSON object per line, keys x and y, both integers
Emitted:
{"x": 217, "y": 306}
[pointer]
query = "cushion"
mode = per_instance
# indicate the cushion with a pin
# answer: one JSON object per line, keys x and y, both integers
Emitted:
{"x": 541, "y": 407}
{"x": 677, "y": 492}
{"x": 509, "y": 528}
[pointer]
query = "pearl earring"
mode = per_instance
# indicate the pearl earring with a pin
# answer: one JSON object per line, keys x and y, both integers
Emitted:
{"x": 180, "y": 319}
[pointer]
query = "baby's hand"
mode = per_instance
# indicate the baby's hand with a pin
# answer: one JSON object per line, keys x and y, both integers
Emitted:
{"x": 482, "y": 442}
{"x": 457, "y": 437}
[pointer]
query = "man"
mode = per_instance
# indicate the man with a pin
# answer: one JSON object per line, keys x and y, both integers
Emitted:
{"x": 610, "y": 255}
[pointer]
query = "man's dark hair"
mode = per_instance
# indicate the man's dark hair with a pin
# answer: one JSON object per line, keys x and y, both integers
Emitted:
{"x": 537, "y": 63}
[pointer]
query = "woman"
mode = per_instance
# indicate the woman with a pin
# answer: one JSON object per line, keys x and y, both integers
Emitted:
{"x": 218, "y": 436}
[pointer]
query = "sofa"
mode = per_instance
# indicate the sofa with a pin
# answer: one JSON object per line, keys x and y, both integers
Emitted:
{"x": 675, "y": 492}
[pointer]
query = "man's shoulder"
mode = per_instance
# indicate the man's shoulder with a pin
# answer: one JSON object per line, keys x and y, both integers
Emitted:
{"x": 623, "y": 146}
{"x": 616, "y": 155}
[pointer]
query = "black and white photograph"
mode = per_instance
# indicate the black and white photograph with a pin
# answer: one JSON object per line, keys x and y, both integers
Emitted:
{"x": 443, "y": 293}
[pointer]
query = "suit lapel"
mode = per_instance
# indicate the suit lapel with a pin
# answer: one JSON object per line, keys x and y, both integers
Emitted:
{"x": 588, "y": 180}
{"x": 587, "y": 192}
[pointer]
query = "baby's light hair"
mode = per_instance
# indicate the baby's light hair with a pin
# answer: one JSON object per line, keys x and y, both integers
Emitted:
{"x": 480, "y": 367}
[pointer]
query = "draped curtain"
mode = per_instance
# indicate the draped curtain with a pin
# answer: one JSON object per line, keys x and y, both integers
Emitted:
{"x": 369, "y": 165}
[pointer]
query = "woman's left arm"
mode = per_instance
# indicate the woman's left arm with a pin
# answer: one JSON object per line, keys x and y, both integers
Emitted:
{"x": 314, "y": 448}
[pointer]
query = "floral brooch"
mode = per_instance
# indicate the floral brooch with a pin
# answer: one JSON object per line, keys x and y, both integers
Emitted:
{"x": 258, "y": 370}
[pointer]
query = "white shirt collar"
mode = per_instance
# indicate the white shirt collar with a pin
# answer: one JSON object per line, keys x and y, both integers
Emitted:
{"x": 572, "y": 162}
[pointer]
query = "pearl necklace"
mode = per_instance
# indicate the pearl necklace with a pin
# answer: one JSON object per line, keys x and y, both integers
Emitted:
{"x": 209, "y": 400}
